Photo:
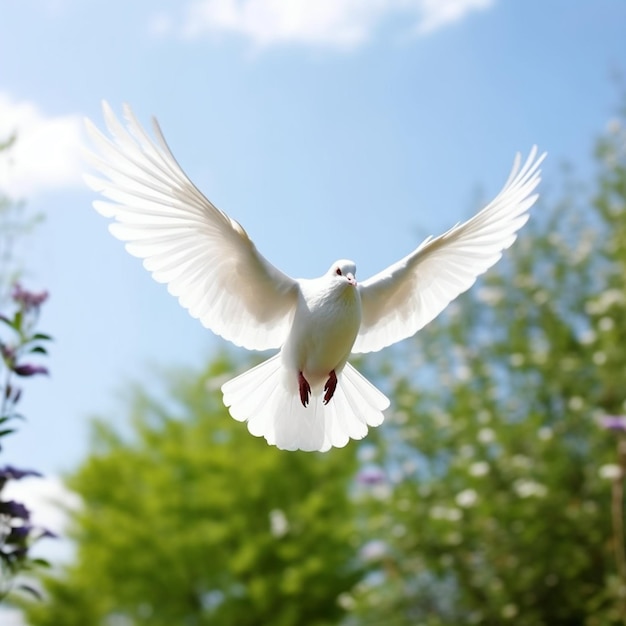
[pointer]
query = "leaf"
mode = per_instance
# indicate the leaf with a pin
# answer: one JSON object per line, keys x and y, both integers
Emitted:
{"x": 41, "y": 337}
{"x": 38, "y": 349}
{"x": 17, "y": 320}
{"x": 31, "y": 590}
{"x": 7, "y": 321}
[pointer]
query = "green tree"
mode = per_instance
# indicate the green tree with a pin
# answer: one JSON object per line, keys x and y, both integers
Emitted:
{"x": 504, "y": 492}
{"x": 190, "y": 520}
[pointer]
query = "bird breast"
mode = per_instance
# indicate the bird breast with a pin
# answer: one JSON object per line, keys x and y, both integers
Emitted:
{"x": 325, "y": 326}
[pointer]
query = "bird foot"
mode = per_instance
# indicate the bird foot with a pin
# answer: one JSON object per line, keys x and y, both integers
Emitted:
{"x": 305, "y": 389}
{"x": 330, "y": 386}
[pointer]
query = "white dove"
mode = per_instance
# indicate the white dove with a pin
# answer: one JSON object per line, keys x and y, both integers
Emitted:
{"x": 307, "y": 396}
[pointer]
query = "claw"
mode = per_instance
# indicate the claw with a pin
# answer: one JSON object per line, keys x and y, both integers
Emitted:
{"x": 330, "y": 386}
{"x": 305, "y": 389}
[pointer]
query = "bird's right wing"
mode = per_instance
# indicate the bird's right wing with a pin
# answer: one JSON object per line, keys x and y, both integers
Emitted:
{"x": 400, "y": 300}
{"x": 206, "y": 258}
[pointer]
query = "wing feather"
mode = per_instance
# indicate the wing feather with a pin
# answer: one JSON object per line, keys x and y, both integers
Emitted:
{"x": 205, "y": 257}
{"x": 403, "y": 298}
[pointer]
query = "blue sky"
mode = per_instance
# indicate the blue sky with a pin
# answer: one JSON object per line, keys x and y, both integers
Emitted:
{"x": 329, "y": 129}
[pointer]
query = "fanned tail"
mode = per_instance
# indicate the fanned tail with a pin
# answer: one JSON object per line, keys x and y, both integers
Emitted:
{"x": 267, "y": 398}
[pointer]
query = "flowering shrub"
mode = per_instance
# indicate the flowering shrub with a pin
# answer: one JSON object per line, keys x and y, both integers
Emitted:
{"x": 19, "y": 344}
{"x": 506, "y": 451}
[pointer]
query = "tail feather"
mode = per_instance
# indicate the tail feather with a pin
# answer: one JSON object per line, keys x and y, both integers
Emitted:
{"x": 247, "y": 395}
{"x": 267, "y": 398}
{"x": 369, "y": 401}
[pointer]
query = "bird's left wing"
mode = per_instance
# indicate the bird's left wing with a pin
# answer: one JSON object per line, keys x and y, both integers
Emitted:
{"x": 400, "y": 300}
{"x": 206, "y": 258}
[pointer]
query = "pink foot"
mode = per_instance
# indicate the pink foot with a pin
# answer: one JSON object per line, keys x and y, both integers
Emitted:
{"x": 330, "y": 386}
{"x": 305, "y": 389}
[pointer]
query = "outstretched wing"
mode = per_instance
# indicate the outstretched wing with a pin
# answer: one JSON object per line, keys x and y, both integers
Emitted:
{"x": 206, "y": 258}
{"x": 400, "y": 300}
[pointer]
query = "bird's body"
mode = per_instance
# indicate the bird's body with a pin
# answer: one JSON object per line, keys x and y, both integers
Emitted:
{"x": 307, "y": 396}
{"x": 325, "y": 326}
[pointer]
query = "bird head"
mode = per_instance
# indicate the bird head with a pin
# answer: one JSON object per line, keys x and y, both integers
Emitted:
{"x": 344, "y": 271}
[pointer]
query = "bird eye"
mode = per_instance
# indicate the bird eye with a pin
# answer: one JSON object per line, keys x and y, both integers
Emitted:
{"x": 338, "y": 272}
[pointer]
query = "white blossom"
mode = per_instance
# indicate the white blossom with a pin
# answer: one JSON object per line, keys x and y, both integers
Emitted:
{"x": 449, "y": 513}
{"x": 605, "y": 300}
{"x": 610, "y": 471}
{"x": 599, "y": 358}
{"x": 545, "y": 433}
{"x": 529, "y": 488}
{"x": 480, "y": 468}
{"x": 490, "y": 295}
{"x": 486, "y": 435}
{"x": 509, "y": 611}
{"x": 346, "y": 601}
{"x": 575, "y": 403}
{"x": 587, "y": 337}
{"x": 466, "y": 498}
{"x": 606, "y": 324}
{"x": 279, "y": 525}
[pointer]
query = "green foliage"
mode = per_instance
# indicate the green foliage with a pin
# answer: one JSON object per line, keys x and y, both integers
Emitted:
{"x": 193, "y": 521}
{"x": 20, "y": 342}
{"x": 493, "y": 495}
{"x": 498, "y": 511}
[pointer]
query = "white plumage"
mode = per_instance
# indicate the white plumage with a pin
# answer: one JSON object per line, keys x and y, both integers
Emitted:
{"x": 307, "y": 396}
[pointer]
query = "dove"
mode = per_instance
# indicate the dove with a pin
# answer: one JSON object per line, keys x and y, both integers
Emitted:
{"x": 307, "y": 396}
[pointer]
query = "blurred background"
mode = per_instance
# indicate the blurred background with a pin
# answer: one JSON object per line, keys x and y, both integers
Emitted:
{"x": 493, "y": 492}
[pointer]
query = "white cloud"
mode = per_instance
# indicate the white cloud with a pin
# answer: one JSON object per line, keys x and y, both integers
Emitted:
{"x": 435, "y": 14}
{"x": 324, "y": 23}
{"x": 46, "y": 154}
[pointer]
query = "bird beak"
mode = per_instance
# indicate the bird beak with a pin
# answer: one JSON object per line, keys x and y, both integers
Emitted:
{"x": 351, "y": 279}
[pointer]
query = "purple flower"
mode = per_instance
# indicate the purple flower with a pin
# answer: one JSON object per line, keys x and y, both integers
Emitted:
{"x": 29, "y": 370}
{"x": 9, "y": 472}
{"x": 614, "y": 422}
{"x": 8, "y": 353}
{"x": 371, "y": 476}
{"x": 19, "y": 534}
{"x": 14, "y": 509}
{"x": 28, "y": 299}
{"x": 25, "y": 533}
{"x": 45, "y": 533}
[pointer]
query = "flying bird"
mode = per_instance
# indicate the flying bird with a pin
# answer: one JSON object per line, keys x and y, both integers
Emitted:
{"x": 307, "y": 396}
